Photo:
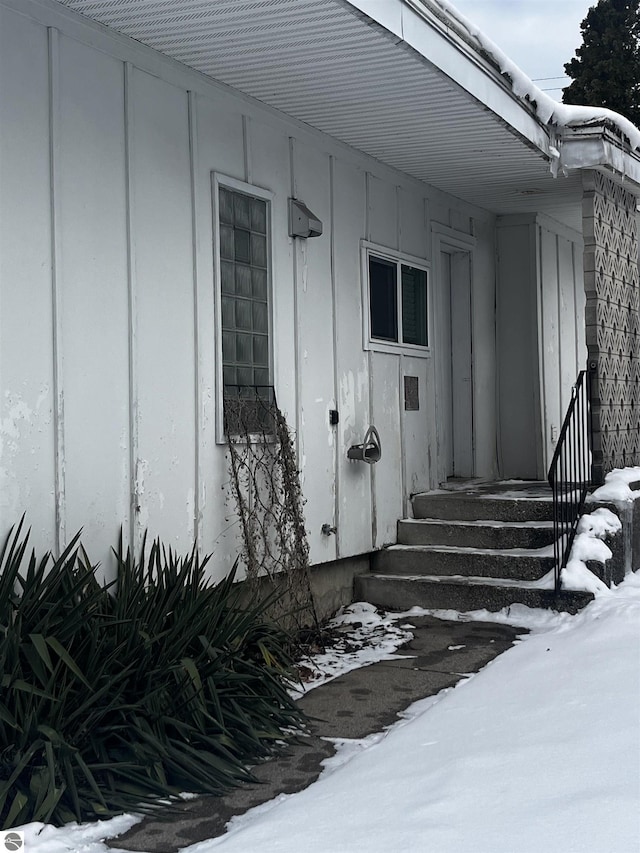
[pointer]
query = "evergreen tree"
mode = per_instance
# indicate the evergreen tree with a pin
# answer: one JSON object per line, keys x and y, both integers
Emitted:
{"x": 606, "y": 68}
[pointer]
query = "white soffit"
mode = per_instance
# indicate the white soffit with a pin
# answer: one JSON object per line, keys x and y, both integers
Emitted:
{"x": 324, "y": 63}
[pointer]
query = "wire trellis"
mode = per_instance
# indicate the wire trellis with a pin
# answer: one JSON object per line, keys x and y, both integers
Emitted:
{"x": 265, "y": 485}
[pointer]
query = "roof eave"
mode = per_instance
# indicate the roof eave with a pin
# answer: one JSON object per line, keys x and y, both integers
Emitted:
{"x": 414, "y": 25}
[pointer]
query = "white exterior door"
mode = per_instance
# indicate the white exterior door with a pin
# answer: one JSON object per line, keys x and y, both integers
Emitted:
{"x": 398, "y": 337}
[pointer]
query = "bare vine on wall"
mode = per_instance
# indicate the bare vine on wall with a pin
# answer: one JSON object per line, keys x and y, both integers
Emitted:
{"x": 265, "y": 485}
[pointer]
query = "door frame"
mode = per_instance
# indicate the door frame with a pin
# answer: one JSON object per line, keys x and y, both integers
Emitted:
{"x": 450, "y": 241}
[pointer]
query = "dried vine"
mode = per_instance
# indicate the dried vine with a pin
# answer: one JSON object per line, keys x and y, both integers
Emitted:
{"x": 266, "y": 488}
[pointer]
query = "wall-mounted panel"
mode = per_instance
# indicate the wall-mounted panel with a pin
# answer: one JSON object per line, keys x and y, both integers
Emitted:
{"x": 93, "y": 318}
{"x": 27, "y": 457}
{"x": 164, "y": 319}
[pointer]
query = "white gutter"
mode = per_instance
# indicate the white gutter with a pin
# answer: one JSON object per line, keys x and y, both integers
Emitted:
{"x": 596, "y": 147}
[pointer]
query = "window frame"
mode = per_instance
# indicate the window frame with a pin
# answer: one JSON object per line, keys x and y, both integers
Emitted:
{"x": 218, "y": 181}
{"x": 369, "y": 249}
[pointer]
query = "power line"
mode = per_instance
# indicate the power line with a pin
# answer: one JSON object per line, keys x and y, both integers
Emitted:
{"x": 543, "y": 79}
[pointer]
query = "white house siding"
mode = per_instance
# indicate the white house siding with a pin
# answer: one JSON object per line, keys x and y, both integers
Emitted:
{"x": 90, "y": 278}
{"x": 483, "y": 296}
{"x": 562, "y": 326}
{"x": 455, "y": 231}
{"x": 540, "y": 337}
{"x": 108, "y": 314}
{"x": 354, "y": 486}
{"x": 27, "y": 472}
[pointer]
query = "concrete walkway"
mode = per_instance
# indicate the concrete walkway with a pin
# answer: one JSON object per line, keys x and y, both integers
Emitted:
{"x": 354, "y": 705}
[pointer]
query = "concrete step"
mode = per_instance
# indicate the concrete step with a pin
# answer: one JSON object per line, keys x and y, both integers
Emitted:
{"x": 475, "y": 534}
{"x": 438, "y": 592}
{"x": 461, "y": 506}
{"x": 515, "y": 563}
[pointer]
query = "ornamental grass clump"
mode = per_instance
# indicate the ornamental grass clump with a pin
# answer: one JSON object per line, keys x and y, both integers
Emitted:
{"x": 114, "y": 696}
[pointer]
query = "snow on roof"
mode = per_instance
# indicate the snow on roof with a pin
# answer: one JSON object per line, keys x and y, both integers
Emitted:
{"x": 546, "y": 108}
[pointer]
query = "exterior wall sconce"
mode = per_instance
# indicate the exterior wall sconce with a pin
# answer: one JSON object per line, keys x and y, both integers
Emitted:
{"x": 302, "y": 222}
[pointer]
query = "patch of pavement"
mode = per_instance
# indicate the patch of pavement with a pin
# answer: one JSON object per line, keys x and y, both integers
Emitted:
{"x": 354, "y": 705}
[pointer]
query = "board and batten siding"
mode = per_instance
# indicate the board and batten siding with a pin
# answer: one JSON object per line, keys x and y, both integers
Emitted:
{"x": 108, "y": 346}
{"x": 541, "y": 339}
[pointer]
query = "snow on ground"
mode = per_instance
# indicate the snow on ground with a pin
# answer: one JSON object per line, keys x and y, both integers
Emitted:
{"x": 74, "y": 838}
{"x": 365, "y": 636}
{"x": 540, "y": 751}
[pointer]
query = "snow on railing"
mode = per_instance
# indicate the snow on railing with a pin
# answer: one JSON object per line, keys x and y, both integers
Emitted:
{"x": 570, "y": 471}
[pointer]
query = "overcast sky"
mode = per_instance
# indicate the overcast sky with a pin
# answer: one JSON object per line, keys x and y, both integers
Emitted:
{"x": 538, "y": 35}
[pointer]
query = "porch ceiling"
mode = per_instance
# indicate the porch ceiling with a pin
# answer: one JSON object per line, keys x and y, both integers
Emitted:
{"x": 324, "y": 63}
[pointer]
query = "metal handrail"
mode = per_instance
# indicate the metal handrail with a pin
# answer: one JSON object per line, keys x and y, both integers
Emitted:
{"x": 570, "y": 471}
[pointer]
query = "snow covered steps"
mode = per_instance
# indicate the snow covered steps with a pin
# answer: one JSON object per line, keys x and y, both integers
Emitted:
{"x": 479, "y": 548}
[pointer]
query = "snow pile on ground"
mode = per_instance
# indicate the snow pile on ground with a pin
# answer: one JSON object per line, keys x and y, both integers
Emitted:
{"x": 547, "y": 109}
{"x": 74, "y": 838}
{"x": 588, "y": 545}
{"x": 617, "y": 486}
{"x": 365, "y": 636}
{"x": 537, "y": 752}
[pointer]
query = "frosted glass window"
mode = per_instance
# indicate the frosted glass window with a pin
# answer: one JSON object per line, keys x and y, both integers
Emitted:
{"x": 258, "y": 216}
{"x": 227, "y": 277}
{"x": 226, "y": 206}
{"x": 243, "y": 280}
{"x": 226, "y": 242}
{"x": 241, "y": 246}
{"x": 259, "y": 284}
{"x": 241, "y": 211}
{"x": 244, "y": 277}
